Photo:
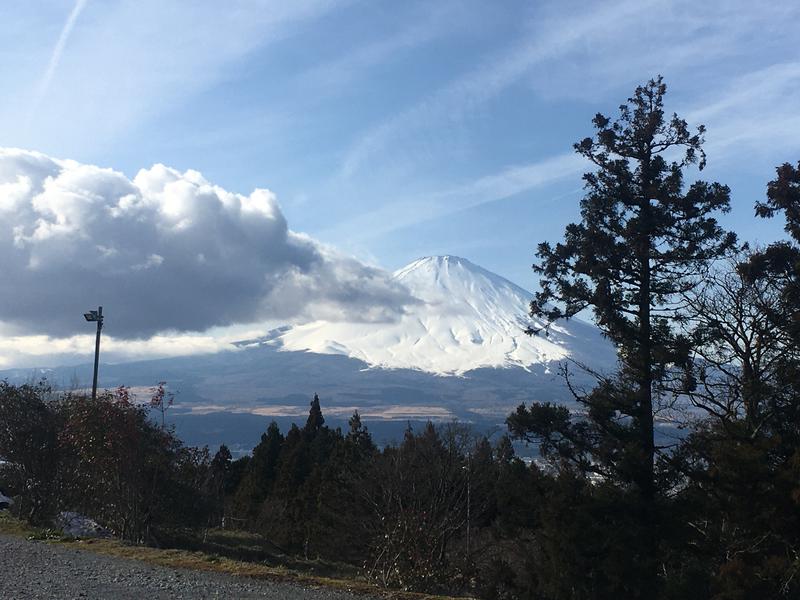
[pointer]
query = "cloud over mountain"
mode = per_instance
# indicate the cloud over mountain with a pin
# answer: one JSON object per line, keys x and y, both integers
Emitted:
{"x": 163, "y": 251}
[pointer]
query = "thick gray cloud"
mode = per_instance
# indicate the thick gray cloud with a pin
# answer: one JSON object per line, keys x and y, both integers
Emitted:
{"x": 164, "y": 251}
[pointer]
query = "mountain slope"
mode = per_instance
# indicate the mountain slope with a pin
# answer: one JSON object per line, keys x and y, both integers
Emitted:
{"x": 467, "y": 318}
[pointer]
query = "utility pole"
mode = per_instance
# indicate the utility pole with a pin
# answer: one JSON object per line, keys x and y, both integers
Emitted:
{"x": 469, "y": 502}
{"x": 468, "y": 468}
{"x": 95, "y": 316}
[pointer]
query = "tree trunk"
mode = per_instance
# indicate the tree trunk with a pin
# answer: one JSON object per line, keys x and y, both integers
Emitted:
{"x": 644, "y": 375}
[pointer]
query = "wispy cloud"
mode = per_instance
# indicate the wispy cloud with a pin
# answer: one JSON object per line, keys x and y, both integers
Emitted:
{"x": 614, "y": 46}
{"x": 137, "y": 59}
{"x": 489, "y": 79}
{"x": 58, "y": 50}
{"x": 757, "y": 110}
{"x": 589, "y": 55}
{"x": 494, "y": 187}
{"x": 334, "y": 74}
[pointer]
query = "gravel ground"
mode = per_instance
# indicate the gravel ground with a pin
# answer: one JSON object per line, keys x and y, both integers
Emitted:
{"x": 41, "y": 570}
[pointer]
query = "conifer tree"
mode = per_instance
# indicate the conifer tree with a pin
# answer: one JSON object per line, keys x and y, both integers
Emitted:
{"x": 315, "y": 419}
{"x": 783, "y": 194}
{"x": 220, "y": 480}
{"x": 641, "y": 242}
{"x": 260, "y": 474}
{"x": 358, "y": 441}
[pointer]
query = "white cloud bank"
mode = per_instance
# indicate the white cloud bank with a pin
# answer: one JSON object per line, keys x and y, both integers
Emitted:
{"x": 165, "y": 251}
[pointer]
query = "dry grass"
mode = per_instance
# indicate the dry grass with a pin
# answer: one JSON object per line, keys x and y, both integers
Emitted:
{"x": 201, "y": 561}
{"x": 13, "y": 526}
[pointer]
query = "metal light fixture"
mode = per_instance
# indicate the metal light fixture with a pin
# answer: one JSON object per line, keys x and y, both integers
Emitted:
{"x": 95, "y": 316}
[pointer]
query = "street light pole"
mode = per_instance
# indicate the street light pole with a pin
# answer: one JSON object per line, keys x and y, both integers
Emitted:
{"x": 469, "y": 500}
{"x": 468, "y": 469}
{"x": 97, "y": 316}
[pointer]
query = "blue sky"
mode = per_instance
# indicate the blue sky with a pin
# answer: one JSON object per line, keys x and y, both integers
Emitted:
{"x": 395, "y": 130}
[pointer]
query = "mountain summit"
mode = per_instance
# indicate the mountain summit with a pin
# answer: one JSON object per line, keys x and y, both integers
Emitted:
{"x": 466, "y": 318}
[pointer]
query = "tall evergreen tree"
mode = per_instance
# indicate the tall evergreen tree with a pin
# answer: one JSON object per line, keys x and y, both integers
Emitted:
{"x": 219, "y": 481}
{"x": 315, "y": 419}
{"x": 358, "y": 442}
{"x": 641, "y": 242}
{"x": 260, "y": 473}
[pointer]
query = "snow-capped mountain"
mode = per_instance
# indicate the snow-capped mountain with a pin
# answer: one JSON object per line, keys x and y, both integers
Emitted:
{"x": 466, "y": 318}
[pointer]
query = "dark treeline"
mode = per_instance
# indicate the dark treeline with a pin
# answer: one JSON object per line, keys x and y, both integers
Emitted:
{"x": 443, "y": 510}
{"x": 707, "y": 331}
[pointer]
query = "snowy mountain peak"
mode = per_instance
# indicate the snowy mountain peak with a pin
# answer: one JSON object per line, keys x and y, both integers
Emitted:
{"x": 445, "y": 266}
{"x": 438, "y": 262}
{"x": 464, "y": 280}
{"x": 467, "y": 318}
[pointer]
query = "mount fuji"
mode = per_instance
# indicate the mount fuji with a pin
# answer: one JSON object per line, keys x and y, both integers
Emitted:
{"x": 466, "y": 318}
